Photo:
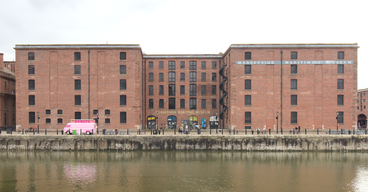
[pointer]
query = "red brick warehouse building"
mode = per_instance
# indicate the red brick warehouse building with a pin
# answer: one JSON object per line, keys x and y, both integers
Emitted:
{"x": 130, "y": 90}
{"x": 7, "y": 94}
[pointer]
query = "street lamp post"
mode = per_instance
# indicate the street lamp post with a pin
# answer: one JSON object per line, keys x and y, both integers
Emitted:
{"x": 156, "y": 120}
{"x": 97, "y": 122}
{"x": 337, "y": 121}
{"x": 38, "y": 123}
{"x": 277, "y": 122}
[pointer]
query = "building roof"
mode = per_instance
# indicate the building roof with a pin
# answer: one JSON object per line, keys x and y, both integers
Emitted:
{"x": 77, "y": 46}
{"x": 182, "y": 56}
{"x": 362, "y": 90}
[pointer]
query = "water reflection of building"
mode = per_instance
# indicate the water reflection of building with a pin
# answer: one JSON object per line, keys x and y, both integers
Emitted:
{"x": 362, "y": 109}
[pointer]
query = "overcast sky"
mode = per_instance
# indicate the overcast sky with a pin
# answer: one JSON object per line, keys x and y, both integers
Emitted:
{"x": 190, "y": 26}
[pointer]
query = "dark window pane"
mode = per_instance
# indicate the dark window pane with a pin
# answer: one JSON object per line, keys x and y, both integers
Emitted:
{"x": 193, "y": 76}
{"x": 77, "y": 100}
{"x": 340, "y": 55}
{"x": 77, "y": 115}
{"x": 60, "y": 120}
{"x": 193, "y": 103}
{"x": 248, "y": 84}
{"x": 214, "y": 64}
{"x": 203, "y": 64}
{"x": 150, "y": 64}
{"x": 171, "y": 65}
{"x": 122, "y": 55}
{"x": 294, "y": 55}
{"x": 214, "y": 76}
{"x": 77, "y": 69}
{"x": 32, "y": 117}
{"x": 340, "y": 84}
{"x": 48, "y": 120}
{"x": 161, "y": 90}
{"x": 248, "y": 55}
{"x": 248, "y": 100}
{"x": 107, "y": 120}
{"x": 31, "y": 56}
{"x": 160, "y": 64}
{"x": 77, "y": 84}
{"x": 193, "y": 65}
{"x": 340, "y": 100}
{"x": 294, "y": 84}
{"x": 182, "y": 64}
{"x": 31, "y": 84}
{"x": 340, "y": 69}
{"x": 107, "y": 112}
{"x": 248, "y": 69}
{"x": 60, "y": 112}
{"x": 48, "y": 111}
{"x": 171, "y": 76}
{"x": 31, "y": 100}
{"x": 161, "y": 77}
{"x": 294, "y": 69}
{"x": 182, "y": 89}
{"x": 214, "y": 90}
{"x": 203, "y": 76}
{"x": 294, "y": 117}
{"x": 248, "y": 117}
{"x": 161, "y": 103}
{"x": 95, "y": 112}
{"x": 182, "y": 76}
{"x": 122, "y": 99}
{"x": 150, "y": 90}
{"x": 123, "y": 117}
{"x": 203, "y": 89}
{"x": 122, "y": 84}
{"x": 150, "y": 77}
{"x": 193, "y": 89}
{"x": 150, "y": 103}
{"x": 77, "y": 56}
{"x": 214, "y": 103}
{"x": 171, "y": 103}
{"x": 182, "y": 103}
{"x": 122, "y": 69}
{"x": 203, "y": 103}
{"x": 294, "y": 100}
{"x": 31, "y": 69}
{"x": 171, "y": 89}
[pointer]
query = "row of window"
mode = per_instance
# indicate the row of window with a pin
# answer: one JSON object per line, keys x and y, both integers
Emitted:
{"x": 77, "y": 56}
{"x": 293, "y": 117}
{"x": 294, "y": 55}
{"x": 77, "y": 115}
{"x": 192, "y": 77}
{"x": 77, "y": 84}
{"x": 293, "y": 84}
{"x": 77, "y": 69}
{"x": 95, "y": 112}
{"x": 77, "y": 101}
{"x": 192, "y": 65}
{"x": 192, "y": 102}
{"x": 5, "y": 118}
{"x": 293, "y": 100}
{"x": 293, "y": 69}
{"x": 192, "y": 90}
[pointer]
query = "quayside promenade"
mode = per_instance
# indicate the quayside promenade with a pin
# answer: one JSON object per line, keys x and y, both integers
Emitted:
{"x": 214, "y": 140}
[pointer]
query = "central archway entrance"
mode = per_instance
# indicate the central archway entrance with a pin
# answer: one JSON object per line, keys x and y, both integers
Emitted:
{"x": 171, "y": 122}
{"x": 362, "y": 121}
{"x": 193, "y": 121}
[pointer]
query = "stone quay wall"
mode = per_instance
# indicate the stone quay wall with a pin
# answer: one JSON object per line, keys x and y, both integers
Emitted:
{"x": 225, "y": 143}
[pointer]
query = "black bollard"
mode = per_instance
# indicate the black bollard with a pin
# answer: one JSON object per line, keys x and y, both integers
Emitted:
{"x": 281, "y": 131}
{"x": 97, "y": 131}
{"x": 353, "y": 131}
{"x": 45, "y": 131}
{"x": 305, "y": 131}
{"x": 0, "y": 131}
{"x": 163, "y": 131}
{"x": 252, "y": 131}
{"x": 11, "y": 131}
{"x": 222, "y": 132}
{"x": 229, "y": 131}
{"x": 210, "y": 131}
{"x": 128, "y": 132}
{"x": 246, "y": 132}
{"x": 329, "y": 131}
{"x": 62, "y": 132}
{"x": 92, "y": 132}
{"x": 57, "y": 131}
{"x": 269, "y": 131}
{"x": 22, "y": 131}
{"x": 317, "y": 131}
{"x": 366, "y": 131}
{"x": 33, "y": 132}
{"x": 257, "y": 132}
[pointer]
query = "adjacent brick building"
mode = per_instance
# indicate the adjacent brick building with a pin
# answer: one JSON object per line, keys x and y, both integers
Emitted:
{"x": 242, "y": 86}
{"x": 7, "y": 94}
{"x": 362, "y": 109}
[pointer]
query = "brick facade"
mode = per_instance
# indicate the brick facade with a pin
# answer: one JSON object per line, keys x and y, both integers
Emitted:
{"x": 316, "y": 92}
{"x": 362, "y": 107}
{"x": 7, "y": 94}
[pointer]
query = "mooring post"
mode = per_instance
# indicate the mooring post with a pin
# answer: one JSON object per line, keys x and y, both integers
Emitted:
{"x": 305, "y": 131}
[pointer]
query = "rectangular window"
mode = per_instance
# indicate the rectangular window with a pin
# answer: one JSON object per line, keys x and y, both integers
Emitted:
{"x": 107, "y": 112}
{"x": 340, "y": 84}
{"x": 161, "y": 103}
{"x": 214, "y": 64}
{"x": 150, "y": 77}
{"x": 150, "y": 64}
{"x": 193, "y": 76}
{"x": 294, "y": 69}
{"x": 48, "y": 111}
{"x": 203, "y": 103}
{"x": 182, "y": 89}
{"x": 31, "y": 69}
{"x": 48, "y": 121}
{"x": 203, "y": 77}
{"x": 122, "y": 55}
{"x": 294, "y": 84}
{"x": 59, "y": 112}
{"x": 182, "y": 64}
{"x": 248, "y": 55}
{"x": 31, "y": 117}
{"x": 122, "y": 99}
{"x": 340, "y": 55}
{"x": 161, "y": 64}
{"x": 340, "y": 117}
{"x": 171, "y": 76}
{"x": 248, "y": 84}
{"x": 31, "y": 56}
{"x": 77, "y": 84}
{"x": 171, "y": 103}
{"x": 193, "y": 89}
{"x": 107, "y": 120}
{"x": 294, "y": 100}
{"x": 203, "y": 89}
{"x": 214, "y": 104}
{"x": 59, "y": 120}
{"x": 340, "y": 69}
{"x": 161, "y": 90}
{"x": 193, "y": 65}
{"x": 193, "y": 103}
{"x": 77, "y": 69}
{"x": 182, "y": 76}
{"x": 150, "y": 103}
{"x": 122, "y": 84}
{"x": 294, "y": 117}
{"x": 248, "y": 100}
{"x": 340, "y": 100}
{"x": 31, "y": 84}
{"x": 123, "y": 117}
{"x": 294, "y": 55}
{"x": 77, "y": 100}
{"x": 182, "y": 103}
{"x": 171, "y": 65}
{"x": 203, "y": 65}
{"x": 214, "y": 90}
{"x": 248, "y": 69}
{"x": 214, "y": 77}
{"x": 31, "y": 100}
{"x": 123, "y": 69}
{"x": 77, "y": 56}
{"x": 161, "y": 77}
{"x": 248, "y": 117}
{"x": 150, "y": 90}
{"x": 77, "y": 115}
{"x": 171, "y": 89}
